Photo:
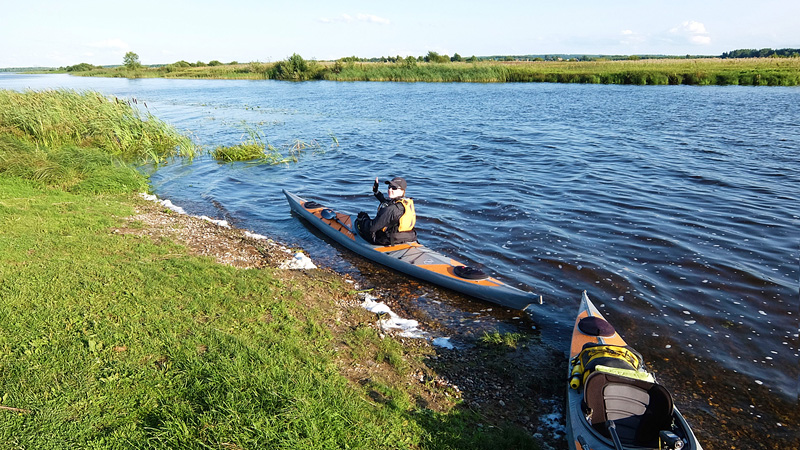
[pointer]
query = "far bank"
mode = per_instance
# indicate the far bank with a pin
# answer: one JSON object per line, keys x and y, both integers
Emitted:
{"x": 700, "y": 71}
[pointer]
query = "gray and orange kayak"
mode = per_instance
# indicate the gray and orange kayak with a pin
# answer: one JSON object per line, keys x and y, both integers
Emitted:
{"x": 412, "y": 258}
{"x": 613, "y": 402}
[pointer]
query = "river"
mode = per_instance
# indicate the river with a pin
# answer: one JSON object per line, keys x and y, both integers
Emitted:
{"x": 675, "y": 207}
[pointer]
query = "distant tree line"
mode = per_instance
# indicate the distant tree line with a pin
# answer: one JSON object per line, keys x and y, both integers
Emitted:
{"x": 763, "y": 53}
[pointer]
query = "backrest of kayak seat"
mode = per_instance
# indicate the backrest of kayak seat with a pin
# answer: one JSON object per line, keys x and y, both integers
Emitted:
{"x": 639, "y": 409}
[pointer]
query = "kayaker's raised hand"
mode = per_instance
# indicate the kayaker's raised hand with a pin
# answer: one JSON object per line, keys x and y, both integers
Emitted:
{"x": 376, "y": 187}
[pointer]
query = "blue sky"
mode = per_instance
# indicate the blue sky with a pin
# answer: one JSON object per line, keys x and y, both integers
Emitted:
{"x": 60, "y": 33}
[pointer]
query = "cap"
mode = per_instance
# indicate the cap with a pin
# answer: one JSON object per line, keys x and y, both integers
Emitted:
{"x": 398, "y": 182}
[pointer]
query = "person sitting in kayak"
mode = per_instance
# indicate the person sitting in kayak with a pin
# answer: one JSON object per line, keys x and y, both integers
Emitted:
{"x": 395, "y": 220}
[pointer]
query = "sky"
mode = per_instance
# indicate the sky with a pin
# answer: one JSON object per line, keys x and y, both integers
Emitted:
{"x": 56, "y": 33}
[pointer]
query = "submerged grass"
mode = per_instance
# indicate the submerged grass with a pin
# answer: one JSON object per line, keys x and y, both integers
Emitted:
{"x": 255, "y": 149}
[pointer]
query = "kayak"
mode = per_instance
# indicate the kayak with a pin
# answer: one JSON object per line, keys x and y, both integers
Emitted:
{"x": 411, "y": 258}
{"x": 613, "y": 402}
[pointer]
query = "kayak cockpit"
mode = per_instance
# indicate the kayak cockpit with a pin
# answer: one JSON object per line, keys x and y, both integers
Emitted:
{"x": 640, "y": 410}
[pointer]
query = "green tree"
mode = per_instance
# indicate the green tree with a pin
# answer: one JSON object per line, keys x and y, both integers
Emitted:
{"x": 436, "y": 58}
{"x": 295, "y": 68}
{"x": 408, "y": 62}
{"x": 131, "y": 61}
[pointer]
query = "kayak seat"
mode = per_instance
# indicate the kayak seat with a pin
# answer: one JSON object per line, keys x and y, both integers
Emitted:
{"x": 639, "y": 409}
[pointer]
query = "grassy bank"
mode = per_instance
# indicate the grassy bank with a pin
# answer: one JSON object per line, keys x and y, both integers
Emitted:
{"x": 115, "y": 340}
{"x": 706, "y": 71}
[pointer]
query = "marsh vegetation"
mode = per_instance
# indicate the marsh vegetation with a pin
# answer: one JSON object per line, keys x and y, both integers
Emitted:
{"x": 772, "y": 71}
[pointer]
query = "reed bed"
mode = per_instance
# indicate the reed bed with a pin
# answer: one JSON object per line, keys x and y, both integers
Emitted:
{"x": 55, "y": 118}
{"x": 712, "y": 71}
{"x": 698, "y": 71}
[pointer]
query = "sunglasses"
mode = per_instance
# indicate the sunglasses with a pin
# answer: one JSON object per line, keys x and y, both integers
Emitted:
{"x": 395, "y": 188}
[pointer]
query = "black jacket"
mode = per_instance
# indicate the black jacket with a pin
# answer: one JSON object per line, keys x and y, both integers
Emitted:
{"x": 388, "y": 217}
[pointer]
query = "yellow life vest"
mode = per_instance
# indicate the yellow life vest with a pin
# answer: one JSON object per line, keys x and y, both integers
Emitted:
{"x": 606, "y": 355}
{"x": 409, "y": 217}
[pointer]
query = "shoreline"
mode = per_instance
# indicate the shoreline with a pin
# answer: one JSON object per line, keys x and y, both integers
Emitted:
{"x": 493, "y": 384}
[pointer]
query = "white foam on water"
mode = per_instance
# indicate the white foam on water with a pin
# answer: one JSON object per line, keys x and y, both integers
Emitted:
{"x": 260, "y": 237}
{"x": 443, "y": 342}
{"x": 165, "y": 203}
{"x": 408, "y": 327}
{"x": 221, "y": 223}
{"x": 554, "y": 421}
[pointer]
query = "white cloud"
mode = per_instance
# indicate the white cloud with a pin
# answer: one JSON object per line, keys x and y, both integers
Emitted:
{"x": 692, "y": 32}
{"x": 631, "y": 38}
{"x": 372, "y": 19}
{"x": 347, "y": 18}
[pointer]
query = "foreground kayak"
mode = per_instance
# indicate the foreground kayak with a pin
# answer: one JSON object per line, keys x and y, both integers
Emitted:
{"x": 612, "y": 401}
{"x": 411, "y": 258}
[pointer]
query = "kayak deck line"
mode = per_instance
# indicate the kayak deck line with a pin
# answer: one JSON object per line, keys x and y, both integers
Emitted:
{"x": 396, "y": 247}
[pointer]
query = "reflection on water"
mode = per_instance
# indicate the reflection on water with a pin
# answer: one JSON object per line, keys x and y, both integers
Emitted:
{"x": 675, "y": 207}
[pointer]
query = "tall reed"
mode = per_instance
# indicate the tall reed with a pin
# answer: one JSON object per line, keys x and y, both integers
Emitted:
{"x": 54, "y": 118}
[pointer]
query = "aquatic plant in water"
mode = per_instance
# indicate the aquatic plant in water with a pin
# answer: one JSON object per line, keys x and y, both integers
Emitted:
{"x": 257, "y": 150}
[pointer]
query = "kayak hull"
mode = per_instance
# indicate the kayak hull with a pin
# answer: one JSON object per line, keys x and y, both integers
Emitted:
{"x": 411, "y": 259}
{"x": 580, "y": 434}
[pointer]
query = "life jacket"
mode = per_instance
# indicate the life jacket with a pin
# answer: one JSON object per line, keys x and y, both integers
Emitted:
{"x": 409, "y": 217}
{"x": 594, "y": 355}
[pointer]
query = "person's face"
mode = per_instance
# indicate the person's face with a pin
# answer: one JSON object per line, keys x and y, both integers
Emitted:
{"x": 395, "y": 192}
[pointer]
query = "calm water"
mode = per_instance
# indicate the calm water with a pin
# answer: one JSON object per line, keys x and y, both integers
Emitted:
{"x": 675, "y": 207}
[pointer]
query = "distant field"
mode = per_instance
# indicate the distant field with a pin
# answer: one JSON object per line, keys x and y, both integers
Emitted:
{"x": 707, "y": 71}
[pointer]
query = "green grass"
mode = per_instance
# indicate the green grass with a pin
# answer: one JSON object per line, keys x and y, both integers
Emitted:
{"x": 116, "y": 341}
{"x": 71, "y": 168}
{"x": 699, "y": 71}
{"x": 501, "y": 340}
